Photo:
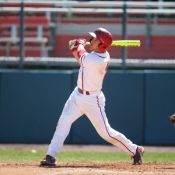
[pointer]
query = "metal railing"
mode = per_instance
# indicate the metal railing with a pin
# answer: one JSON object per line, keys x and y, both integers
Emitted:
{"x": 111, "y": 7}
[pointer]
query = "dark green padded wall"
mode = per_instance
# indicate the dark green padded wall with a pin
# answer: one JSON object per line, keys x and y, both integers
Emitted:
{"x": 31, "y": 103}
{"x": 159, "y": 105}
{"x": 138, "y": 104}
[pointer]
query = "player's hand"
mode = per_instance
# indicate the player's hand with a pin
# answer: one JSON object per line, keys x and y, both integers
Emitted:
{"x": 73, "y": 44}
{"x": 81, "y": 41}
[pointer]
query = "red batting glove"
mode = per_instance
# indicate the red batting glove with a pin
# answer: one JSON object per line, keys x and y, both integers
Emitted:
{"x": 73, "y": 44}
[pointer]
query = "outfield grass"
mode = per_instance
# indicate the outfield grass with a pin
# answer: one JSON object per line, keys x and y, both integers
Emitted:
{"x": 81, "y": 156}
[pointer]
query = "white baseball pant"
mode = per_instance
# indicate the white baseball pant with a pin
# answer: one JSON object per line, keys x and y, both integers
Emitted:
{"x": 93, "y": 106}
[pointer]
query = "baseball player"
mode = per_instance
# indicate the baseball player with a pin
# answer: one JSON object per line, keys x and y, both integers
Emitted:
{"x": 88, "y": 98}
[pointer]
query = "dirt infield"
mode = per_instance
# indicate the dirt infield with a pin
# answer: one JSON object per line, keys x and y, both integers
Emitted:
{"x": 88, "y": 169}
{"x": 75, "y": 168}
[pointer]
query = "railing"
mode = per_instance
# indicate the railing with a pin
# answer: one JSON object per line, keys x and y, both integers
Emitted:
{"x": 111, "y": 7}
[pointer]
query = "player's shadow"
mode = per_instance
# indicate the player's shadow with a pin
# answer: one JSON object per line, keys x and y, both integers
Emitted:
{"x": 73, "y": 166}
{"x": 78, "y": 166}
{"x": 93, "y": 165}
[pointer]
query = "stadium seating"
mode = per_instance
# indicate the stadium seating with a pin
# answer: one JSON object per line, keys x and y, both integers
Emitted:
{"x": 161, "y": 36}
{"x": 36, "y": 35}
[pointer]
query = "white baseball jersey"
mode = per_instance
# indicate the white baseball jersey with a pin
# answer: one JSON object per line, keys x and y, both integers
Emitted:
{"x": 92, "y": 71}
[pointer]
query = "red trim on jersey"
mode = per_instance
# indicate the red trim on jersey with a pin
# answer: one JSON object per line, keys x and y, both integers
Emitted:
{"x": 82, "y": 80}
{"x": 107, "y": 128}
{"x": 82, "y": 73}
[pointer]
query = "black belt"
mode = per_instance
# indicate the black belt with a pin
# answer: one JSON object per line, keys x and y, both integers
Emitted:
{"x": 83, "y": 92}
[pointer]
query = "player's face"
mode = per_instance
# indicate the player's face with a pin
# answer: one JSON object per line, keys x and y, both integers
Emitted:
{"x": 94, "y": 43}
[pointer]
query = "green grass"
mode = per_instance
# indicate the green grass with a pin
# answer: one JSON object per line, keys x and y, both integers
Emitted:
{"x": 76, "y": 156}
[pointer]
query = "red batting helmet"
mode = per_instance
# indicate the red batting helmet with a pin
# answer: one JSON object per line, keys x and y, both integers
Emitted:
{"x": 104, "y": 36}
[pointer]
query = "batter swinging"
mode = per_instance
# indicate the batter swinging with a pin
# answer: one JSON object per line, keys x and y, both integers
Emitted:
{"x": 87, "y": 98}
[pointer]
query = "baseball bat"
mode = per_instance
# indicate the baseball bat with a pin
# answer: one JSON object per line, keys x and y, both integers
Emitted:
{"x": 125, "y": 43}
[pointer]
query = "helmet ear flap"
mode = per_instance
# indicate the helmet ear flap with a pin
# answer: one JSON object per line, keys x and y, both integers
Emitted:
{"x": 102, "y": 47}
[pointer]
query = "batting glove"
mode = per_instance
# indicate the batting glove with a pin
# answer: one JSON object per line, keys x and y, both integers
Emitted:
{"x": 73, "y": 44}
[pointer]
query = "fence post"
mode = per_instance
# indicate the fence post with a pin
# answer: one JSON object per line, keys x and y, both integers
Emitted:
{"x": 148, "y": 29}
{"x": 21, "y": 35}
{"x": 124, "y": 35}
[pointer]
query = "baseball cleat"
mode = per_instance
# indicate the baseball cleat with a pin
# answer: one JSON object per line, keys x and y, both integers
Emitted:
{"x": 48, "y": 161}
{"x": 137, "y": 158}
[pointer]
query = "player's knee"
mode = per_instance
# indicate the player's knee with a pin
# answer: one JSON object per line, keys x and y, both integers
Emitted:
{"x": 106, "y": 137}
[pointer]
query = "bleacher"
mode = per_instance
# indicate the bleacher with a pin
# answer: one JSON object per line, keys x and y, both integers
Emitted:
{"x": 35, "y": 38}
{"x": 49, "y": 25}
{"x": 36, "y": 31}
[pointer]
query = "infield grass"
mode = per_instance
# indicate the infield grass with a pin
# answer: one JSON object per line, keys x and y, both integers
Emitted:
{"x": 81, "y": 156}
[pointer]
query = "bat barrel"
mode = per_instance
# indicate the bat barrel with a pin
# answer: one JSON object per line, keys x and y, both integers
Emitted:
{"x": 126, "y": 43}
